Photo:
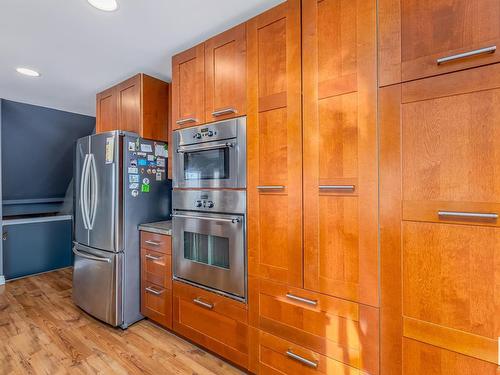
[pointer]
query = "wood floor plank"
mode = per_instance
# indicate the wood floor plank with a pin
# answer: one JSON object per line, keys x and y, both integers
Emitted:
{"x": 43, "y": 332}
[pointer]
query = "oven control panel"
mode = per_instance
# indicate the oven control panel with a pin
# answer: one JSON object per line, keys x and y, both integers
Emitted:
{"x": 204, "y": 133}
{"x": 223, "y": 201}
{"x": 204, "y": 203}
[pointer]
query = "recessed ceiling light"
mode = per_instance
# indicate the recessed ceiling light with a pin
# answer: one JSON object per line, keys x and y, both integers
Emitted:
{"x": 106, "y": 5}
{"x": 28, "y": 72}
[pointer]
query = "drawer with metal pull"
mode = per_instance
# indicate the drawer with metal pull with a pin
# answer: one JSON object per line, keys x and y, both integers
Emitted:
{"x": 156, "y": 242}
{"x": 156, "y": 268}
{"x": 156, "y": 303}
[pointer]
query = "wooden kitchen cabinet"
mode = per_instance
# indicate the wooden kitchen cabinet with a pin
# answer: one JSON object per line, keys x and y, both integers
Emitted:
{"x": 139, "y": 105}
{"x": 225, "y": 74}
{"x": 340, "y": 149}
{"x": 156, "y": 278}
{"x": 188, "y": 87}
{"x": 440, "y": 241}
{"x": 414, "y": 34}
{"x": 274, "y": 146}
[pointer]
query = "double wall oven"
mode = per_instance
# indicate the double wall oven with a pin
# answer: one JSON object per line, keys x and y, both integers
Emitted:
{"x": 209, "y": 207}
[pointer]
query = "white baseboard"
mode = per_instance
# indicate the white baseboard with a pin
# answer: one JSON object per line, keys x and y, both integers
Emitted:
{"x": 2, "y": 279}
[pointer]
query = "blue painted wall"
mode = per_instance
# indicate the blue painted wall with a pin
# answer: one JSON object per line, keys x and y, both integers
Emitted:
{"x": 37, "y": 148}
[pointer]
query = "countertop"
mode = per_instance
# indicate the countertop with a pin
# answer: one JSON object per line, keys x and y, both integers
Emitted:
{"x": 160, "y": 227}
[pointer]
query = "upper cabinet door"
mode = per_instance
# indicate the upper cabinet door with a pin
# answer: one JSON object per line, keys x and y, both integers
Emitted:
{"x": 129, "y": 105}
{"x": 424, "y": 38}
{"x": 225, "y": 74}
{"x": 275, "y": 145}
{"x": 188, "y": 87}
{"x": 340, "y": 149}
{"x": 106, "y": 110}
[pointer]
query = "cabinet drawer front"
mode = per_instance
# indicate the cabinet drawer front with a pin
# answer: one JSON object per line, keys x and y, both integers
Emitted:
{"x": 156, "y": 242}
{"x": 451, "y": 278}
{"x": 211, "y": 322}
{"x": 156, "y": 268}
{"x": 339, "y": 329}
{"x": 156, "y": 303}
{"x": 278, "y": 356}
{"x": 435, "y": 35}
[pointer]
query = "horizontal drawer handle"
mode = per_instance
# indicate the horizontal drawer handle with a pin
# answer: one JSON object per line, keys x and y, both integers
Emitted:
{"x": 154, "y": 243}
{"x": 336, "y": 187}
{"x": 222, "y": 112}
{"x": 478, "y": 215}
{"x": 152, "y": 257}
{"x": 464, "y": 55}
{"x": 301, "y": 299}
{"x": 203, "y": 304}
{"x": 301, "y": 359}
{"x": 270, "y": 187}
{"x": 154, "y": 291}
{"x": 186, "y": 120}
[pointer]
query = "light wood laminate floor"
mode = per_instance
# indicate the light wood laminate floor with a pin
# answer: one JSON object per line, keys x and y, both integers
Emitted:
{"x": 43, "y": 332}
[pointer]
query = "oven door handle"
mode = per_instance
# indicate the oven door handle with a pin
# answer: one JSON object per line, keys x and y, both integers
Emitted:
{"x": 181, "y": 149}
{"x": 233, "y": 220}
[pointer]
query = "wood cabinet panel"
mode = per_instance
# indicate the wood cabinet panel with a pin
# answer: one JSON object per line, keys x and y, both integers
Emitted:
{"x": 219, "y": 325}
{"x": 421, "y": 32}
{"x": 156, "y": 268}
{"x": 156, "y": 303}
{"x": 156, "y": 242}
{"x": 225, "y": 74}
{"x": 155, "y": 109}
{"x": 188, "y": 87}
{"x": 340, "y": 149}
{"x": 273, "y": 359}
{"x": 344, "y": 331}
{"x": 274, "y": 144}
{"x": 129, "y": 105}
{"x": 106, "y": 110}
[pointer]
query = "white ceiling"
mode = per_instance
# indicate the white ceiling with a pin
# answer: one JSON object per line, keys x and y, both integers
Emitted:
{"x": 80, "y": 50}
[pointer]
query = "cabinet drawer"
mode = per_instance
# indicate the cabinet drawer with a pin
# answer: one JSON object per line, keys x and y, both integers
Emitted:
{"x": 278, "y": 356}
{"x": 156, "y": 268}
{"x": 156, "y": 242}
{"x": 341, "y": 330}
{"x": 156, "y": 303}
{"x": 213, "y": 321}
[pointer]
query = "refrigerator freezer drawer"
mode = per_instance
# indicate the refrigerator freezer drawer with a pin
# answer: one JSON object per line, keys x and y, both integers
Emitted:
{"x": 97, "y": 287}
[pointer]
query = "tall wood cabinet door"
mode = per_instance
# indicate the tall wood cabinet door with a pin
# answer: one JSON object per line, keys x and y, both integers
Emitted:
{"x": 340, "y": 149}
{"x": 423, "y": 38}
{"x": 129, "y": 105}
{"x": 188, "y": 87}
{"x": 274, "y": 145}
{"x": 106, "y": 110}
{"x": 225, "y": 74}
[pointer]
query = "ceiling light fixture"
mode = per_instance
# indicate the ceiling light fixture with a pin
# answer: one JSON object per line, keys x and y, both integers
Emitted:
{"x": 106, "y": 5}
{"x": 28, "y": 72}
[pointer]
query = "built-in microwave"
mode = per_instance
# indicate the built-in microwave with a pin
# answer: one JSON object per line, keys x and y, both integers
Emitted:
{"x": 211, "y": 155}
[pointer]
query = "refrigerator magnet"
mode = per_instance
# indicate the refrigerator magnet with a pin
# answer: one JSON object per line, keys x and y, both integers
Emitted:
{"x": 135, "y": 193}
{"x": 144, "y": 188}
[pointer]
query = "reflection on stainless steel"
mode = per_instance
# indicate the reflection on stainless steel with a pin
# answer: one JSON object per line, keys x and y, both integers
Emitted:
{"x": 209, "y": 244}
{"x": 211, "y": 155}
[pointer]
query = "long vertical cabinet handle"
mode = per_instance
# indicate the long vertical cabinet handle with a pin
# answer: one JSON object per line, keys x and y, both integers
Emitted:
{"x": 95, "y": 194}
{"x": 83, "y": 191}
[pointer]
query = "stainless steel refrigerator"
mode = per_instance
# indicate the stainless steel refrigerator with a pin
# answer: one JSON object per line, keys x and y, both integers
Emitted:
{"x": 120, "y": 182}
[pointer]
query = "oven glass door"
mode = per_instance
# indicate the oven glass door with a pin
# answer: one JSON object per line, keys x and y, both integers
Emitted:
{"x": 211, "y": 164}
{"x": 209, "y": 249}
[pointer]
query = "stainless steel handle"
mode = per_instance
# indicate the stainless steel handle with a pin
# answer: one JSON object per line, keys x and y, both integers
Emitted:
{"x": 202, "y": 148}
{"x": 95, "y": 192}
{"x": 301, "y": 359}
{"x": 301, "y": 299}
{"x": 83, "y": 192}
{"x": 186, "y": 120}
{"x": 336, "y": 187}
{"x": 270, "y": 187}
{"x": 151, "y": 257}
{"x": 459, "y": 56}
{"x": 154, "y": 243}
{"x": 232, "y": 220}
{"x": 154, "y": 291}
{"x": 225, "y": 111}
{"x": 204, "y": 304}
{"x": 478, "y": 215}
{"x": 90, "y": 257}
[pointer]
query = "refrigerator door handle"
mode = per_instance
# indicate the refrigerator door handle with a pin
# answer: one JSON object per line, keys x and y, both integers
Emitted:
{"x": 95, "y": 195}
{"x": 83, "y": 192}
{"x": 90, "y": 257}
